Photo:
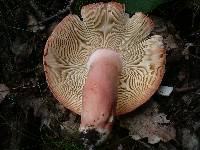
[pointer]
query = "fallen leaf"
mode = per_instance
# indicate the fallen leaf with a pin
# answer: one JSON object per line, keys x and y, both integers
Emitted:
{"x": 150, "y": 124}
{"x": 33, "y": 24}
{"x": 4, "y": 90}
{"x": 71, "y": 126}
{"x": 170, "y": 42}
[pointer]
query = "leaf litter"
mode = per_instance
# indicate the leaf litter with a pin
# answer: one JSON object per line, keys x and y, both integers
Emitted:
{"x": 149, "y": 123}
{"x": 4, "y": 90}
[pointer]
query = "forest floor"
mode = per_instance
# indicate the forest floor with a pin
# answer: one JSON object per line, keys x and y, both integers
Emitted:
{"x": 31, "y": 118}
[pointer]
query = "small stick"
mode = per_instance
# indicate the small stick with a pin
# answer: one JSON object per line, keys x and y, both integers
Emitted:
{"x": 61, "y": 12}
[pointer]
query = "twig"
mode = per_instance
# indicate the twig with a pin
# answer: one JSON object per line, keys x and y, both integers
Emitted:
{"x": 144, "y": 144}
{"x": 23, "y": 87}
{"x": 184, "y": 89}
{"x": 197, "y": 57}
{"x": 17, "y": 28}
{"x": 61, "y": 12}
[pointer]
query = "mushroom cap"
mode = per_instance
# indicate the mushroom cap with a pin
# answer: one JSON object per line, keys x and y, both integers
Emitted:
{"x": 104, "y": 25}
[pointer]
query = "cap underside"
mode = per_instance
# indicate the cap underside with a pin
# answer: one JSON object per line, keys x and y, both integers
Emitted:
{"x": 104, "y": 25}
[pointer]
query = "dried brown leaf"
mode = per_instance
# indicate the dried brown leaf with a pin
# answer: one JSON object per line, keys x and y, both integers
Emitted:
{"x": 4, "y": 90}
{"x": 151, "y": 124}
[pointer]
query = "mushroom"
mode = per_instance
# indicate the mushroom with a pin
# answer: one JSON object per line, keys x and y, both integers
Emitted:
{"x": 104, "y": 65}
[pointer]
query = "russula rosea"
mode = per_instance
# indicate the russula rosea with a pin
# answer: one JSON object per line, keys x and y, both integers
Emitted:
{"x": 104, "y": 65}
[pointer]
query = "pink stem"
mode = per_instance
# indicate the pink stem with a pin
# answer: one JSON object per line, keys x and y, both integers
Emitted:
{"x": 100, "y": 90}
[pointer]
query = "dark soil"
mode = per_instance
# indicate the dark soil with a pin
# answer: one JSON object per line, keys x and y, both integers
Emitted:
{"x": 30, "y": 117}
